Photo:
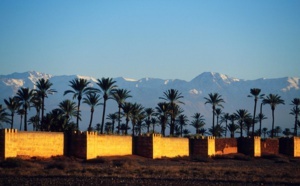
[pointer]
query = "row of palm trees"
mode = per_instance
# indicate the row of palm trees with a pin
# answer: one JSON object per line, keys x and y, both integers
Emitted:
{"x": 167, "y": 112}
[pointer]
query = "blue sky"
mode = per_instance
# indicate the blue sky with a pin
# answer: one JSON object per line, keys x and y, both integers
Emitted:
{"x": 246, "y": 39}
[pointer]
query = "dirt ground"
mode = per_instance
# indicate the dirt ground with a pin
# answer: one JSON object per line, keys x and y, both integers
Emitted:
{"x": 235, "y": 169}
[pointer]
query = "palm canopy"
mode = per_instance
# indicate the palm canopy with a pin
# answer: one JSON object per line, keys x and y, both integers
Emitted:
{"x": 43, "y": 88}
{"x": 215, "y": 100}
{"x": 255, "y": 93}
{"x": 24, "y": 97}
{"x": 80, "y": 88}
{"x": 173, "y": 97}
{"x": 107, "y": 86}
{"x": 13, "y": 106}
{"x": 92, "y": 99}
{"x": 273, "y": 100}
{"x": 242, "y": 115}
{"x": 120, "y": 96}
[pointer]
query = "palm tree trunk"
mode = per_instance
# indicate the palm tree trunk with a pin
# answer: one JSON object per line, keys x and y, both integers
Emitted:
{"x": 241, "y": 129}
{"x": 127, "y": 121}
{"x": 42, "y": 117}
{"x": 272, "y": 131}
{"x": 213, "y": 123}
{"x": 21, "y": 122}
{"x": 296, "y": 122}
{"x": 254, "y": 112}
{"x": 119, "y": 119}
{"x": 91, "y": 120}
{"x": 78, "y": 112}
{"x": 260, "y": 119}
{"x": 103, "y": 114}
{"x": 12, "y": 121}
{"x": 25, "y": 120}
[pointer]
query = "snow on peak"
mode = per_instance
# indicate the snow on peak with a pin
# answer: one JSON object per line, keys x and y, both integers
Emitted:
{"x": 87, "y": 78}
{"x": 293, "y": 83}
{"x": 195, "y": 92}
{"x": 130, "y": 79}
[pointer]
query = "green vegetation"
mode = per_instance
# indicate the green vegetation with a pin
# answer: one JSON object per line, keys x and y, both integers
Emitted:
{"x": 167, "y": 113}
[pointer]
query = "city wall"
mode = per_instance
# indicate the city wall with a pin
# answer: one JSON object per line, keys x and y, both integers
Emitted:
{"x": 156, "y": 146}
{"x": 89, "y": 145}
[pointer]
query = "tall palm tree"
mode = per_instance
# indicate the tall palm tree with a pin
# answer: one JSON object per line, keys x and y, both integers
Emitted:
{"x": 182, "y": 120}
{"x": 92, "y": 99}
{"x": 198, "y": 122}
{"x": 264, "y": 132}
{"x": 80, "y": 87}
{"x": 224, "y": 118}
{"x": 260, "y": 117}
{"x": 173, "y": 97}
{"x": 241, "y": 115}
{"x": 12, "y": 105}
{"x": 107, "y": 86}
{"x": 273, "y": 100}
{"x": 113, "y": 117}
{"x": 149, "y": 113}
{"x": 215, "y": 100}
{"x": 24, "y": 97}
{"x": 137, "y": 112}
{"x": 255, "y": 93}
{"x": 43, "y": 89}
{"x": 287, "y": 132}
{"x": 68, "y": 110}
{"x": 21, "y": 112}
{"x": 296, "y": 103}
{"x": 162, "y": 112}
{"x": 120, "y": 96}
{"x": 37, "y": 104}
{"x": 127, "y": 109}
{"x": 4, "y": 116}
{"x": 218, "y": 113}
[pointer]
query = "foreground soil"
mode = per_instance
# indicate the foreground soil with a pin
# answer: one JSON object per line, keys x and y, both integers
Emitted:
{"x": 235, "y": 169}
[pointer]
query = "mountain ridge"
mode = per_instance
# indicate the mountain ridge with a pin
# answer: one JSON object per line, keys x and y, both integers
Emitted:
{"x": 148, "y": 90}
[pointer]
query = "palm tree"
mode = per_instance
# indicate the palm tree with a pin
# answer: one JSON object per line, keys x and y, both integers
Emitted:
{"x": 80, "y": 88}
{"x": 4, "y": 116}
{"x": 21, "y": 112}
{"x": 34, "y": 120}
{"x": 153, "y": 122}
{"x": 24, "y": 97}
{"x": 68, "y": 110}
{"x": 241, "y": 115}
{"x": 215, "y": 100}
{"x": 287, "y": 132}
{"x": 277, "y": 131}
{"x": 136, "y": 114}
{"x": 182, "y": 120}
{"x": 265, "y": 131}
{"x": 107, "y": 86}
{"x": 43, "y": 89}
{"x": 149, "y": 113}
{"x": 260, "y": 117}
{"x": 120, "y": 96}
{"x": 92, "y": 99}
{"x": 173, "y": 97}
{"x": 218, "y": 113}
{"x": 13, "y": 106}
{"x": 113, "y": 117}
{"x": 127, "y": 109}
{"x": 37, "y": 104}
{"x": 295, "y": 111}
{"x": 273, "y": 100}
{"x": 232, "y": 127}
{"x": 224, "y": 118}
{"x": 198, "y": 122}
{"x": 162, "y": 111}
{"x": 255, "y": 93}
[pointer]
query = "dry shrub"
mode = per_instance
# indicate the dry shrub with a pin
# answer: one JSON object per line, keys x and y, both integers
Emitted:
{"x": 56, "y": 165}
{"x": 14, "y": 163}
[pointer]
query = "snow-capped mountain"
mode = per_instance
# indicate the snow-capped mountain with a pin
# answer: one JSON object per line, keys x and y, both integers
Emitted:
{"x": 148, "y": 90}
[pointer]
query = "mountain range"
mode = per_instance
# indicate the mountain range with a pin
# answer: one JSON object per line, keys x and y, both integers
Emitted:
{"x": 147, "y": 91}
